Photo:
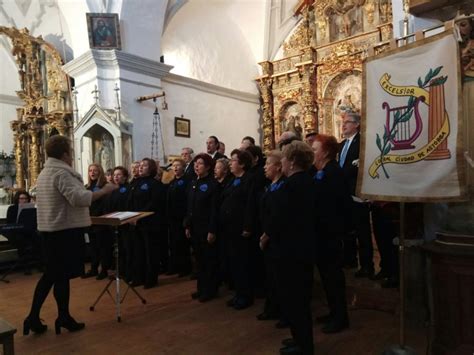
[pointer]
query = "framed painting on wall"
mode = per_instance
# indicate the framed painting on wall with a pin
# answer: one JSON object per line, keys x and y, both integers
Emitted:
{"x": 104, "y": 31}
{"x": 182, "y": 127}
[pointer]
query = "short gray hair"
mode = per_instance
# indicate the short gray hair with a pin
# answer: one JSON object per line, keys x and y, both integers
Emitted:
{"x": 190, "y": 150}
{"x": 353, "y": 115}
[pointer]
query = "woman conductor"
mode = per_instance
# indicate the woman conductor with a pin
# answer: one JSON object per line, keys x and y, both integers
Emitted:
{"x": 63, "y": 213}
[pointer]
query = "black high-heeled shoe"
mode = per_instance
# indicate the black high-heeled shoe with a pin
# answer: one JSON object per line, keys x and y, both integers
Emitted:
{"x": 34, "y": 325}
{"x": 69, "y": 324}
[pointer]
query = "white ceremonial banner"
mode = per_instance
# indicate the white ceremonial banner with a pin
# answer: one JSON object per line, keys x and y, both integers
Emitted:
{"x": 411, "y": 124}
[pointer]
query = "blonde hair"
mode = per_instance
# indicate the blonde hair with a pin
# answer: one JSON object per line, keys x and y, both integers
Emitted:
{"x": 101, "y": 180}
{"x": 225, "y": 163}
{"x": 275, "y": 154}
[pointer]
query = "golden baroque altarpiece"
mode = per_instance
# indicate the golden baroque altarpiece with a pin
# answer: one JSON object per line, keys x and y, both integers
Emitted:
{"x": 46, "y": 111}
{"x": 320, "y": 74}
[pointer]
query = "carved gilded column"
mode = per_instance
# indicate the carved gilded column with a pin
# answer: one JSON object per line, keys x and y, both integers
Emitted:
{"x": 308, "y": 78}
{"x": 18, "y": 142}
{"x": 35, "y": 157}
{"x": 265, "y": 86}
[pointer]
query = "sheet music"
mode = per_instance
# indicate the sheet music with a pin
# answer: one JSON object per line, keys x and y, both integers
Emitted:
{"x": 122, "y": 215}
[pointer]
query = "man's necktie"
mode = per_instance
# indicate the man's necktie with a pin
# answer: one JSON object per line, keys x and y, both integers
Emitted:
{"x": 342, "y": 158}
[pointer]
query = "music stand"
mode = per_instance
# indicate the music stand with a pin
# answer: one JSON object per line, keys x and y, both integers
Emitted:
{"x": 116, "y": 220}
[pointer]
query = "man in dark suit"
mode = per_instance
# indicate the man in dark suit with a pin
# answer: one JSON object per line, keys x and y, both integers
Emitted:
{"x": 212, "y": 146}
{"x": 360, "y": 229}
{"x": 187, "y": 154}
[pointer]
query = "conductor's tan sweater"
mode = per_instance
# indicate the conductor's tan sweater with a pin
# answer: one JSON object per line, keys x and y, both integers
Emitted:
{"x": 62, "y": 200}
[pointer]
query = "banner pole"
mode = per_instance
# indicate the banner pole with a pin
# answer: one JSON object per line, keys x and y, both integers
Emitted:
{"x": 401, "y": 348}
{"x": 401, "y": 254}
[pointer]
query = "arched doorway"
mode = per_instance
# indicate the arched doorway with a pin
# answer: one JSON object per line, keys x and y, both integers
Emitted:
{"x": 291, "y": 119}
{"x": 343, "y": 93}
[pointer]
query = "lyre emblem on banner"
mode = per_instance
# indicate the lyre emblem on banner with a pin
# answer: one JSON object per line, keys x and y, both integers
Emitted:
{"x": 404, "y": 124}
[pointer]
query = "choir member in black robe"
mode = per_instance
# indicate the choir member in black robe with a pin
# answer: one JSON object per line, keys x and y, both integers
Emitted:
{"x": 294, "y": 236}
{"x": 163, "y": 232}
{"x": 147, "y": 195}
{"x": 236, "y": 215}
{"x": 200, "y": 227}
{"x": 259, "y": 182}
{"x": 117, "y": 201}
{"x": 100, "y": 237}
{"x": 223, "y": 177}
{"x": 180, "y": 257}
{"x": 333, "y": 201}
{"x": 273, "y": 172}
{"x": 134, "y": 172}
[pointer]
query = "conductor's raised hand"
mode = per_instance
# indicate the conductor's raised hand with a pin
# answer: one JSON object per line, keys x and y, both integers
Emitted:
{"x": 211, "y": 238}
{"x": 108, "y": 188}
{"x": 105, "y": 190}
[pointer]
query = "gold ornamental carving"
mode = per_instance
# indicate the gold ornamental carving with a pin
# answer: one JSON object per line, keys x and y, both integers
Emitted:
{"x": 265, "y": 86}
{"x": 45, "y": 92}
{"x": 289, "y": 95}
{"x": 329, "y": 44}
{"x": 301, "y": 37}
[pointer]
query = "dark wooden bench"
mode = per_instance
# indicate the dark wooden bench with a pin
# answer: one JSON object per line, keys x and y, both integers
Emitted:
{"x": 6, "y": 337}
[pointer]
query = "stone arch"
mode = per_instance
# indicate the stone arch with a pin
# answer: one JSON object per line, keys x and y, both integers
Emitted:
{"x": 89, "y": 140}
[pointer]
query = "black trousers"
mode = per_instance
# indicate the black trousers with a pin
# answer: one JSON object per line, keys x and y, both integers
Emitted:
{"x": 385, "y": 231}
{"x": 101, "y": 241}
{"x": 164, "y": 248}
{"x": 207, "y": 268}
{"x": 295, "y": 282}
{"x": 180, "y": 256}
{"x": 361, "y": 221}
{"x": 329, "y": 264}
{"x": 225, "y": 274}
{"x": 126, "y": 252}
{"x": 146, "y": 247}
{"x": 272, "y": 302}
{"x": 241, "y": 265}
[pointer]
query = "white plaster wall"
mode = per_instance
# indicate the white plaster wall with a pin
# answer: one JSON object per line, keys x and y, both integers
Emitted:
{"x": 141, "y": 23}
{"x": 9, "y": 82}
{"x": 141, "y": 114}
{"x": 217, "y": 41}
{"x": 210, "y": 114}
{"x": 7, "y": 114}
{"x": 142, "y": 27}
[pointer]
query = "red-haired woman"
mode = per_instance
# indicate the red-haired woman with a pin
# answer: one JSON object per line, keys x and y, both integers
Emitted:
{"x": 333, "y": 201}
{"x": 200, "y": 227}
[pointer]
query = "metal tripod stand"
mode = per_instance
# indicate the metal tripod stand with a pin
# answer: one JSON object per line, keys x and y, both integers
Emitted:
{"x": 118, "y": 299}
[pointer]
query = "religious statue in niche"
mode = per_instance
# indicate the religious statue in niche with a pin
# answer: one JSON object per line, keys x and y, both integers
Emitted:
{"x": 466, "y": 30}
{"x": 105, "y": 153}
{"x": 369, "y": 10}
{"x": 292, "y": 119}
{"x": 385, "y": 11}
{"x": 347, "y": 97}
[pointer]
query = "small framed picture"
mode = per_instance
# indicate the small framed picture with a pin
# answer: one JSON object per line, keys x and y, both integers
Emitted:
{"x": 104, "y": 31}
{"x": 182, "y": 127}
